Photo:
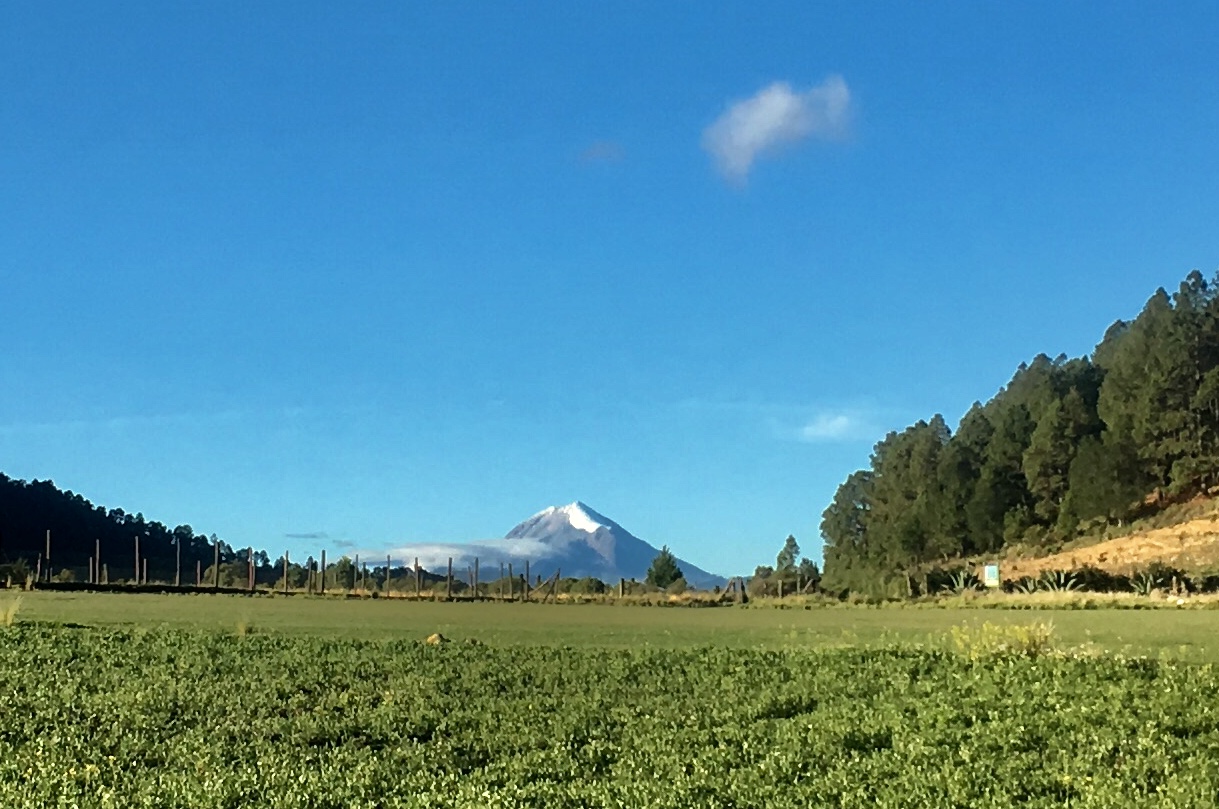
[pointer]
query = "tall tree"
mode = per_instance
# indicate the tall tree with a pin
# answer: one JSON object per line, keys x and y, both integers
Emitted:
{"x": 844, "y": 529}
{"x": 664, "y": 570}
{"x": 785, "y": 564}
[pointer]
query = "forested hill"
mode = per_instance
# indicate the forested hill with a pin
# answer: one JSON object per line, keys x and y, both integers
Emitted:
{"x": 1066, "y": 445}
{"x": 29, "y": 510}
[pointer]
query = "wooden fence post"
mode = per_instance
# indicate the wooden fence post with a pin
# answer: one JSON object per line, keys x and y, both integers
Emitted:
{"x": 105, "y": 574}
{"x": 216, "y": 565}
{"x": 144, "y": 561}
{"x": 476, "y": 577}
{"x": 418, "y": 579}
{"x": 48, "y": 554}
{"x": 97, "y": 561}
{"x": 250, "y": 560}
{"x": 90, "y": 579}
{"x": 448, "y": 582}
{"x": 177, "y": 561}
{"x": 322, "y": 574}
{"x": 525, "y": 594}
{"x": 510, "y": 584}
{"x": 285, "y": 572}
{"x": 388, "y": 580}
{"x": 198, "y": 573}
{"x": 137, "y": 559}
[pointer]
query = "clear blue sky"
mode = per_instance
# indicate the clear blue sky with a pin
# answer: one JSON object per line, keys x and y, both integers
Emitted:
{"x": 408, "y": 272}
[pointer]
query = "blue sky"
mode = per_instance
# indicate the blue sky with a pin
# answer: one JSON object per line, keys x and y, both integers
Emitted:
{"x": 408, "y": 272}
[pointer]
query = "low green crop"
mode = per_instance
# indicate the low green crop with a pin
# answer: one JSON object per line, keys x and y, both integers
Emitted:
{"x": 166, "y": 718}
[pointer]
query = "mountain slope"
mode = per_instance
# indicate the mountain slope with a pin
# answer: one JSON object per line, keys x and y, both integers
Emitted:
{"x": 581, "y": 542}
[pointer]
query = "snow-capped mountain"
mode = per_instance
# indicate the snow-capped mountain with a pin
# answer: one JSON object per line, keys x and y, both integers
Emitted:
{"x": 581, "y": 542}
{"x": 574, "y": 539}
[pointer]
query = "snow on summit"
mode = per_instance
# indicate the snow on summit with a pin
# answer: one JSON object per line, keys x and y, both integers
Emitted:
{"x": 577, "y": 515}
{"x": 582, "y": 517}
{"x": 573, "y": 539}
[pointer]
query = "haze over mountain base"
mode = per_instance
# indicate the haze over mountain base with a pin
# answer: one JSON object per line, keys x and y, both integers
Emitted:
{"x": 573, "y": 539}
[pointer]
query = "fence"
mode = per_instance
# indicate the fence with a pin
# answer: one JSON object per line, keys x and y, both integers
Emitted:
{"x": 347, "y": 577}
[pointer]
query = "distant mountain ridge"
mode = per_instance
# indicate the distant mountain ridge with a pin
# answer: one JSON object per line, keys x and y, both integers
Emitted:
{"x": 583, "y": 543}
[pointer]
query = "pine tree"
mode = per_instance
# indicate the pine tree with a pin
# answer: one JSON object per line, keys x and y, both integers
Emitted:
{"x": 663, "y": 570}
{"x": 785, "y": 564}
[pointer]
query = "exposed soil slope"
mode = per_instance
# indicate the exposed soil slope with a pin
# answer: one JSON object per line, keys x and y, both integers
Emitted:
{"x": 1190, "y": 545}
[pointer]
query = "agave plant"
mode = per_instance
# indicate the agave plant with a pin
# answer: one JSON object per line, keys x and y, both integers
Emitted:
{"x": 1028, "y": 584}
{"x": 1143, "y": 584}
{"x": 963, "y": 580}
{"x": 1059, "y": 581}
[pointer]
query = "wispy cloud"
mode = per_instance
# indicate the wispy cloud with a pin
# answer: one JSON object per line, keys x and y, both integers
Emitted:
{"x": 774, "y": 117}
{"x": 830, "y": 426}
{"x": 118, "y": 424}
{"x": 309, "y": 535}
{"x": 811, "y": 423}
{"x": 603, "y": 151}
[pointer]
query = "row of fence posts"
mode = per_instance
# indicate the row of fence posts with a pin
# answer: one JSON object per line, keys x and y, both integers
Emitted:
{"x": 99, "y": 574}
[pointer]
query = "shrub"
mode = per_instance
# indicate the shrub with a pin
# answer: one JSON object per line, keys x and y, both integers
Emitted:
{"x": 1003, "y": 640}
{"x": 9, "y": 610}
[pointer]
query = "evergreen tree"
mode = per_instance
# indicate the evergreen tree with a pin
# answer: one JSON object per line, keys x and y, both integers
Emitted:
{"x": 785, "y": 564}
{"x": 664, "y": 570}
{"x": 1065, "y": 441}
{"x": 844, "y": 530}
{"x": 1000, "y": 507}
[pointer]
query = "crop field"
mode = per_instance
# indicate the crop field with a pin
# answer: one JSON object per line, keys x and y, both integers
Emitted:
{"x": 173, "y": 701}
{"x": 1185, "y": 634}
{"x": 170, "y": 718}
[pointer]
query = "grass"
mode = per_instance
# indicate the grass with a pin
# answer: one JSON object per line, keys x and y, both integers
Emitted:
{"x": 1184, "y": 634}
{"x": 9, "y": 609}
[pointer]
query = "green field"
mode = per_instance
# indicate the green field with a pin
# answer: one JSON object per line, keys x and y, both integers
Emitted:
{"x": 1188, "y": 635}
{"x": 116, "y": 701}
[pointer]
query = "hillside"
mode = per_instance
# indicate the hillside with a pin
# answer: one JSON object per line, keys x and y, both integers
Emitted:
{"x": 1192, "y": 545}
{"x": 1067, "y": 444}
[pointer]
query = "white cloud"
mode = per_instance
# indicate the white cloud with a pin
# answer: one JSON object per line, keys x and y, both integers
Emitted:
{"x": 773, "y": 117}
{"x": 435, "y": 556}
{"x": 837, "y": 426}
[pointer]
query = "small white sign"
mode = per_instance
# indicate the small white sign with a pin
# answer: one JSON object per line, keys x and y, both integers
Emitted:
{"x": 990, "y": 576}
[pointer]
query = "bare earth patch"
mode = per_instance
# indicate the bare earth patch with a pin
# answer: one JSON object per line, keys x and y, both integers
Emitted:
{"x": 1189, "y": 545}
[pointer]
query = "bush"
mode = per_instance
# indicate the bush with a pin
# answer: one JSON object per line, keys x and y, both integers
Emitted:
{"x": 1003, "y": 640}
{"x": 1101, "y": 581}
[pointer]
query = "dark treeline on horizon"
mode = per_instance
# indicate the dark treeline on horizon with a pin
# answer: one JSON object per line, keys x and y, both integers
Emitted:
{"x": 29, "y": 510}
{"x": 78, "y": 528}
{"x": 1067, "y": 445}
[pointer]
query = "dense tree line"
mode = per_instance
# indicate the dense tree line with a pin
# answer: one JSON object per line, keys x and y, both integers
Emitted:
{"x": 1067, "y": 444}
{"x": 29, "y": 510}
